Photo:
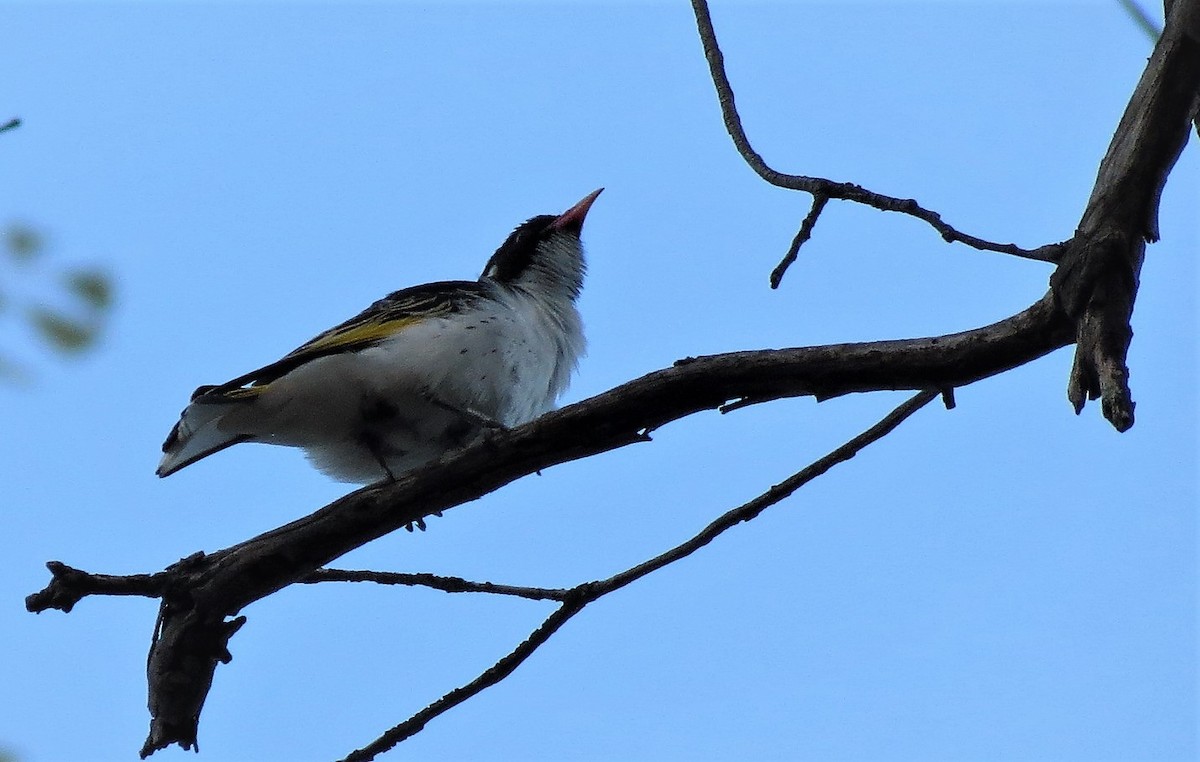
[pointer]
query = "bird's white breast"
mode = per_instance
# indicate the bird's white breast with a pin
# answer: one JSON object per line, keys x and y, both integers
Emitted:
{"x": 504, "y": 360}
{"x": 508, "y": 358}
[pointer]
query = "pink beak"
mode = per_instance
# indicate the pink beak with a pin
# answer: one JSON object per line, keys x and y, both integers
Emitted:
{"x": 572, "y": 219}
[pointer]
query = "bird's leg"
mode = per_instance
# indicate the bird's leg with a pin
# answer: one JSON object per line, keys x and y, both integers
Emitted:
{"x": 371, "y": 441}
{"x": 373, "y": 411}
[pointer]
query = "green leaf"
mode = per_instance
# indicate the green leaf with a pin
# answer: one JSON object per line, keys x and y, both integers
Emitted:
{"x": 23, "y": 243}
{"x": 63, "y": 333}
{"x": 91, "y": 286}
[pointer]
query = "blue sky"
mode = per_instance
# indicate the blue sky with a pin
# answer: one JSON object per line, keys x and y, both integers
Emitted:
{"x": 1005, "y": 581}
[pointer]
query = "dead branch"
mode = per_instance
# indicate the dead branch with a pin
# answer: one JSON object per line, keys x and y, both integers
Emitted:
{"x": 70, "y": 585}
{"x": 581, "y": 595}
{"x": 1097, "y": 280}
{"x": 802, "y": 236}
{"x": 820, "y": 187}
{"x": 435, "y": 581}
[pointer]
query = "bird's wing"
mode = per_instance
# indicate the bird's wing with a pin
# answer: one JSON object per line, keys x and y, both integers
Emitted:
{"x": 386, "y": 317}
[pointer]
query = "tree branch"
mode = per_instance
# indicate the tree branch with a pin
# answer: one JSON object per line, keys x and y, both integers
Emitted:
{"x": 802, "y": 236}
{"x": 491, "y": 676}
{"x": 581, "y": 595}
{"x": 777, "y": 493}
{"x": 437, "y": 582}
{"x": 821, "y": 187}
{"x": 1097, "y": 280}
{"x": 203, "y": 590}
{"x": 69, "y": 585}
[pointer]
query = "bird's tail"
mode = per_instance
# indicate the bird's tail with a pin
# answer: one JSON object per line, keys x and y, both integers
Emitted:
{"x": 200, "y": 431}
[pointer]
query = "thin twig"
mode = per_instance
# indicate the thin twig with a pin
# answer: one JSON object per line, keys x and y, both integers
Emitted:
{"x": 819, "y": 186}
{"x": 1142, "y": 19}
{"x": 435, "y": 581}
{"x": 775, "y": 494}
{"x": 802, "y": 236}
{"x": 490, "y": 677}
{"x": 582, "y": 595}
{"x": 1147, "y": 24}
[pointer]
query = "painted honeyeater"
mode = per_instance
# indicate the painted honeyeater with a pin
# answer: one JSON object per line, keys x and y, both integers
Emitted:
{"x": 420, "y": 372}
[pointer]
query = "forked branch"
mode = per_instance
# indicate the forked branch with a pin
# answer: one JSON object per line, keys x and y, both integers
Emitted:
{"x": 821, "y": 188}
{"x": 581, "y": 595}
{"x": 1097, "y": 281}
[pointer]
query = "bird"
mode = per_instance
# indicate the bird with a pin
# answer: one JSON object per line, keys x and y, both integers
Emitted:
{"x": 423, "y": 371}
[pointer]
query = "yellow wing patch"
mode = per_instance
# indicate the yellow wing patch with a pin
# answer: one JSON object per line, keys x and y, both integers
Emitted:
{"x": 383, "y": 319}
{"x": 218, "y": 394}
{"x": 387, "y": 317}
{"x": 244, "y": 392}
{"x": 358, "y": 334}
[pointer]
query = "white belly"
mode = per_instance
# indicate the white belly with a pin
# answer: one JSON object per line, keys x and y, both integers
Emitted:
{"x": 431, "y": 388}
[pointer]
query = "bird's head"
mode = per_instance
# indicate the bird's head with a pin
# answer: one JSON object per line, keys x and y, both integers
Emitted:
{"x": 544, "y": 254}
